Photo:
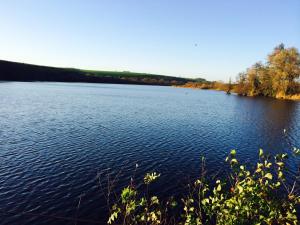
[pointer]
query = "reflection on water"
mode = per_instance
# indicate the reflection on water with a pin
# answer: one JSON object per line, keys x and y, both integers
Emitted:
{"x": 274, "y": 121}
{"x": 56, "y": 137}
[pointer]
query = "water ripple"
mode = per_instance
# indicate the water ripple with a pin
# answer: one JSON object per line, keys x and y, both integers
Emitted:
{"x": 56, "y": 137}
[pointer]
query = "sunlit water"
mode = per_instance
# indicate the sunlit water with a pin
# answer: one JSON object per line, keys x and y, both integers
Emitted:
{"x": 58, "y": 139}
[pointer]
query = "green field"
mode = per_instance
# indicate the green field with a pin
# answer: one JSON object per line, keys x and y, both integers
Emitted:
{"x": 14, "y": 71}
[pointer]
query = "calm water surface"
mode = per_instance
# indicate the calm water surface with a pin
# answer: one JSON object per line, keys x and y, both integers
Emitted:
{"x": 57, "y": 139}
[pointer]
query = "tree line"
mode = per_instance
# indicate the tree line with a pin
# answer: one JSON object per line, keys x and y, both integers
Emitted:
{"x": 278, "y": 77}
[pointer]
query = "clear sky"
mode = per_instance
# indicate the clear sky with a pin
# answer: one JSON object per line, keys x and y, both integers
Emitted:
{"x": 190, "y": 38}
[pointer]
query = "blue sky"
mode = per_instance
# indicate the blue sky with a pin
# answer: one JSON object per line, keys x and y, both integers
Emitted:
{"x": 210, "y": 39}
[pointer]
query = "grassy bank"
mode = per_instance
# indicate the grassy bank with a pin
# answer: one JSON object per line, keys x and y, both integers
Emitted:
{"x": 219, "y": 86}
{"x": 213, "y": 85}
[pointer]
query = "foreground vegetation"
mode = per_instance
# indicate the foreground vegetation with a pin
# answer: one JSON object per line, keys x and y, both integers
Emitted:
{"x": 12, "y": 71}
{"x": 278, "y": 77}
{"x": 248, "y": 196}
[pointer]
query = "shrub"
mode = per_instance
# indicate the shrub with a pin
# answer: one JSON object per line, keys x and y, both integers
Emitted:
{"x": 257, "y": 196}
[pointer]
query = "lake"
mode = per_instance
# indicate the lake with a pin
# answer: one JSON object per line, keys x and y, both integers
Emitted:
{"x": 58, "y": 139}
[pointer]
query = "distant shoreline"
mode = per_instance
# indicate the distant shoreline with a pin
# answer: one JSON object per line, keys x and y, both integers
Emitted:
{"x": 201, "y": 86}
{"x": 15, "y": 71}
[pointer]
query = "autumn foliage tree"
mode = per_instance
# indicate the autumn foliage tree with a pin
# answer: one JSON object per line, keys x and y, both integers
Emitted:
{"x": 277, "y": 78}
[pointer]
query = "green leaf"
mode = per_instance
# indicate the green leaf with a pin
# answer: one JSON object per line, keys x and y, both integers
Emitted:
{"x": 127, "y": 194}
{"x": 150, "y": 177}
{"x": 234, "y": 161}
{"x": 113, "y": 217}
{"x": 240, "y": 188}
{"x": 280, "y": 164}
{"x": 173, "y": 204}
{"x": 233, "y": 152}
{"x": 154, "y": 200}
{"x": 269, "y": 176}
{"x": 205, "y": 201}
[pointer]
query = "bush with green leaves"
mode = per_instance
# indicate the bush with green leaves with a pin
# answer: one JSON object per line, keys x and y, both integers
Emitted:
{"x": 259, "y": 195}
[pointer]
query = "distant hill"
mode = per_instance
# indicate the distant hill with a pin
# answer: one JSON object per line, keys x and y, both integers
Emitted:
{"x": 201, "y": 80}
{"x": 13, "y": 71}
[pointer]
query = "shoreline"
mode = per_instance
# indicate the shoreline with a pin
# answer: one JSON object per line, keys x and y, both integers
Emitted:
{"x": 295, "y": 97}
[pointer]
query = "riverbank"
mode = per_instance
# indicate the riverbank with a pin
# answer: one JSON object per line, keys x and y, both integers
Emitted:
{"x": 219, "y": 86}
{"x": 295, "y": 97}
